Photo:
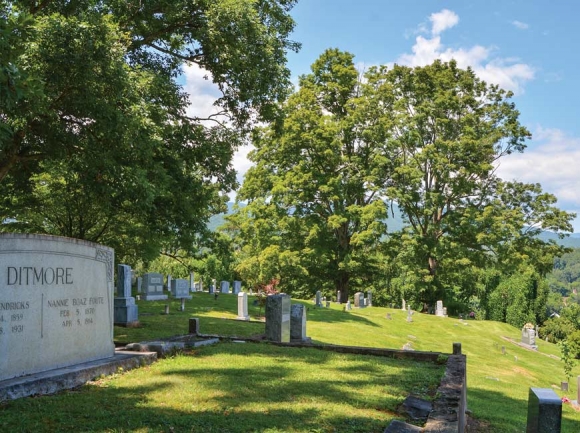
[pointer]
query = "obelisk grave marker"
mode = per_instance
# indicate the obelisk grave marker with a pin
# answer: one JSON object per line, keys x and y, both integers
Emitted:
{"x": 56, "y": 303}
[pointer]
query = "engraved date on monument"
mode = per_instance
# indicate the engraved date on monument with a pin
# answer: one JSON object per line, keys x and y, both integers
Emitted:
{"x": 17, "y": 329}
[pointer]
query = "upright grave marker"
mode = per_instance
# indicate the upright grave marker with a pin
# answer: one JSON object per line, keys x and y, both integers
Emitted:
{"x": 243, "y": 306}
{"x": 225, "y": 286}
{"x": 298, "y": 322}
{"x": 180, "y": 288}
{"x": 153, "y": 283}
{"x": 237, "y": 288}
{"x": 278, "y": 318}
{"x": 126, "y": 312}
{"x": 56, "y": 298}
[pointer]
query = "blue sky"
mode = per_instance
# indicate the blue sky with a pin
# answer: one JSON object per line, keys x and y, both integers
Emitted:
{"x": 529, "y": 47}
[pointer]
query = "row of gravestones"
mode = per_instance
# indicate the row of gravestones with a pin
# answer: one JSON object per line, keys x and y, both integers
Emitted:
{"x": 359, "y": 300}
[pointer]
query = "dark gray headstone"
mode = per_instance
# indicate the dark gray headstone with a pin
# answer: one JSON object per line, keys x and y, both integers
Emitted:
{"x": 369, "y": 298}
{"x": 544, "y": 411}
{"x": 225, "y": 286}
{"x": 297, "y": 322}
{"x": 125, "y": 311}
{"x": 237, "y": 287}
{"x": 123, "y": 281}
{"x": 359, "y": 300}
{"x": 278, "y": 318}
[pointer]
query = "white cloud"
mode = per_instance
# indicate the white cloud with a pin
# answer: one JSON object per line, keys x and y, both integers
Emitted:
{"x": 443, "y": 20}
{"x": 201, "y": 90}
{"x": 520, "y": 25}
{"x": 509, "y": 74}
{"x": 550, "y": 162}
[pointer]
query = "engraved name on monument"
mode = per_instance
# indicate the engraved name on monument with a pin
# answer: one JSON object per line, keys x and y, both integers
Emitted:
{"x": 56, "y": 305}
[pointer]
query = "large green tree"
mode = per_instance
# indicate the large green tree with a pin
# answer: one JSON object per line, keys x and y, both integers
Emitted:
{"x": 92, "y": 112}
{"x": 447, "y": 131}
{"x": 319, "y": 182}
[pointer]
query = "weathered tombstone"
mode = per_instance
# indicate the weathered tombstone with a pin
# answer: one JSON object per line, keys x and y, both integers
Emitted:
{"x": 191, "y": 282}
{"x": 529, "y": 336}
{"x": 153, "y": 283}
{"x": 348, "y": 306}
{"x": 369, "y": 298}
{"x": 439, "y": 309}
{"x": 409, "y": 315}
{"x": 404, "y": 305}
{"x": 544, "y": 411}
{"x": 126, "y": 312}
{"x": 168, "y": 283}
{"x": 56, "y": 305}
{"x": 243, "y": 306}
{"x": 200, "y": 285}
{"x": 318, "y": 301}
{"x": 225, "y": 287}
{"x": 359, "y": 300}
{"x": 278, "y": 318}
{"x": 298, "y": 322}
{"x": 237, "y": 288}
{"x": 389, "y": 316}
{"x": 139, "y": 284}
{"x": 180, "y": 289}
{"x": 212, "y": 287}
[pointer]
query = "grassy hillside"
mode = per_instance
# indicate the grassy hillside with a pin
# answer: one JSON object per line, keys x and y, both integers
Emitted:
{"x": 498, "y": 384}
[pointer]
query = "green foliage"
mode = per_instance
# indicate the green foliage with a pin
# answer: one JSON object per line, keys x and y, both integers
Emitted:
{"x": 567, "y": 358}
{"x": 95, "y": 131}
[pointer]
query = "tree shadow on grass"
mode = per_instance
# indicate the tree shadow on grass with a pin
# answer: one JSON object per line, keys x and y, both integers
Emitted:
{"x": 288, "y": 390}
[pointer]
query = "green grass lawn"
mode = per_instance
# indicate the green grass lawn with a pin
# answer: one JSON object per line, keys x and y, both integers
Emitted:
{"x": 233, "y": 387}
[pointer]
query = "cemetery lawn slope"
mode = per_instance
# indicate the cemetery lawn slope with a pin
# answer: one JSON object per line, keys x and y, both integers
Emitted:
{"x": 498, "y": 384}
{"x": 232, "y": 387}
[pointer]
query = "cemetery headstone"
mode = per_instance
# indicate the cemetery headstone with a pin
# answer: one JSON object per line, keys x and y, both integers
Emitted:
{"x": 243, "y": 306}
{"x": 139, "y": 284}
{"x": 278, "y": 318}
{"x": 369, "y": 298}
{"x": 298, "y": 322}
{"x": 439, "y": 309}
{"x": 180, "y": 288}
{"x": 359, "y": 300}
{"x": 409, "y": 315}
{"x": 348, "y": 306}
{"x": 211, "y": 289}
{"x": 529, "y": 336}
{"x": 544, "y": 411}
{"x": 153, "y": 283}
{"x": 125, "y": 312}
{"x": 56, "y": 300}
{"x": 191, "y": 282}
{"x": 318, "y": 301}
{"x": 404, "y": 305}
{"x": 168, "y": 283}
{"x": 225, "y": 286}
{"x": 237, "y": 288}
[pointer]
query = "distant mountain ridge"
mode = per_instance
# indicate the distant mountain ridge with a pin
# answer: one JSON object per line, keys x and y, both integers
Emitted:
{"x": 395, "y": 223}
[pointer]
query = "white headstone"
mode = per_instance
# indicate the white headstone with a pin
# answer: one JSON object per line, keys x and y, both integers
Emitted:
{"x": 243, "y": 306}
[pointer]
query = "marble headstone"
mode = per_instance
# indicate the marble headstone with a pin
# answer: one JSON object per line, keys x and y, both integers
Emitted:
{"x": 278, "y": 318}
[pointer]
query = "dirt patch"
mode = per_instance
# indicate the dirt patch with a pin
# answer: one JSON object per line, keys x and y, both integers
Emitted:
{"x": 476, "y": 426}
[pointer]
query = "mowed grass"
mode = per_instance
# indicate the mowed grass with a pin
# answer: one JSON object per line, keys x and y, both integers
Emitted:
{"x": 250, "y": 387}
{"x": 233, "y": 387}
{"x": 498, "y": 385}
